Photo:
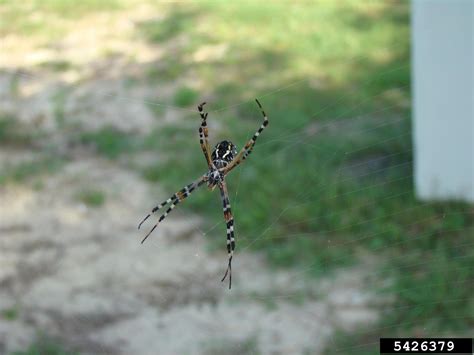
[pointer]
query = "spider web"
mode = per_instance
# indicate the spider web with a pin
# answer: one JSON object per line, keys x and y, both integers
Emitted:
{"x": 295, "y": 138}
{"x": 288, "y": 286}
{"x": 298, "y": 137}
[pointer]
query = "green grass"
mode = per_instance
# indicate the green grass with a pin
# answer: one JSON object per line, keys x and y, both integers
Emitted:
{"x": 334, "y": 43}
{"x": 219, "y": 346}
{"x": 47, "y": 19}
{"x": 17, "y": 135}
{"x": 21, "y": 172}
{"x": 56, "y": 65}
{"x": 59, "y": 102}
{"x": 71, "y": 8}
{"x": 108, "y": 141}
{"x": 10, "y": 313}
{"x": 91, "y": 198}
{"x": 45, "y": 346}
{"x": 13, "y": 133}
{"x": 163, "y": 30}
{"x": 185, "y": 97}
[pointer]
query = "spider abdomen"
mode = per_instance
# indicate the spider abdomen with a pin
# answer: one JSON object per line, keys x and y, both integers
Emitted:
{"x": 223, "y": 153}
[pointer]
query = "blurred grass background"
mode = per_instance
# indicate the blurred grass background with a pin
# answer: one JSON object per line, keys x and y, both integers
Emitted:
{"x": 329, "y": 179}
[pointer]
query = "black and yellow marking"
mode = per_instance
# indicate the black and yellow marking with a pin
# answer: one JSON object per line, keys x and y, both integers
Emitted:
{"x": 224, "y": 152}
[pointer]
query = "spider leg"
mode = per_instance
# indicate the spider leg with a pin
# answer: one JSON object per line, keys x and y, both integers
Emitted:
{"x": 229, "y": 219}
{"x": 203, "y": 135}
{"x": 247, "y": 149}
{"x": 161, "y": 205}
{"x": 174, "y": 200}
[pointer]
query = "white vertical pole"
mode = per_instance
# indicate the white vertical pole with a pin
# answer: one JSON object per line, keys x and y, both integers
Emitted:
{"x": 443, "y": 98}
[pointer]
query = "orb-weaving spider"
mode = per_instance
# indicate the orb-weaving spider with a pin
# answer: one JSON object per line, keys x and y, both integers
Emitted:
{"x": 222, "y": 160}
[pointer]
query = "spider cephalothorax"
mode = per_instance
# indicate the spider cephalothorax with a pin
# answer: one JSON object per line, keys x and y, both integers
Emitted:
{"x": 223, "y": 154}
{"x": 223, "y": 159}
{"x": 214, "y": 178}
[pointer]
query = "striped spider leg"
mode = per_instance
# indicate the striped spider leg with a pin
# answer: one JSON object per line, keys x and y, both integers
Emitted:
{"x": 188, "y": 189}
{"x": 228, "y": 166}
{"x": 203, "y": 135}
{"x": 247, "y": 149}
{"x": 174, "y": 200}
{"x": 229, "y": 220}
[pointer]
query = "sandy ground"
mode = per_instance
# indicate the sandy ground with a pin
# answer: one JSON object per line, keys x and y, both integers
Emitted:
{"x": 80, "y": 275}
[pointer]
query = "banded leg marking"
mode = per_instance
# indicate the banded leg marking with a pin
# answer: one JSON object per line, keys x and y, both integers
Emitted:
{"x": 174, "y": 200}
{"x": 204, "y": 134}
{"x": 247, "y": 149}
{"x": 229, "y": 219}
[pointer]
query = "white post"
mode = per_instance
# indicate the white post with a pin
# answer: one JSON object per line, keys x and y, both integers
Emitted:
{"x": 443, "y": 91}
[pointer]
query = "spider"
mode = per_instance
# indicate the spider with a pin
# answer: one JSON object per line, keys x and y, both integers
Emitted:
{"x": 223, "y": 159}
